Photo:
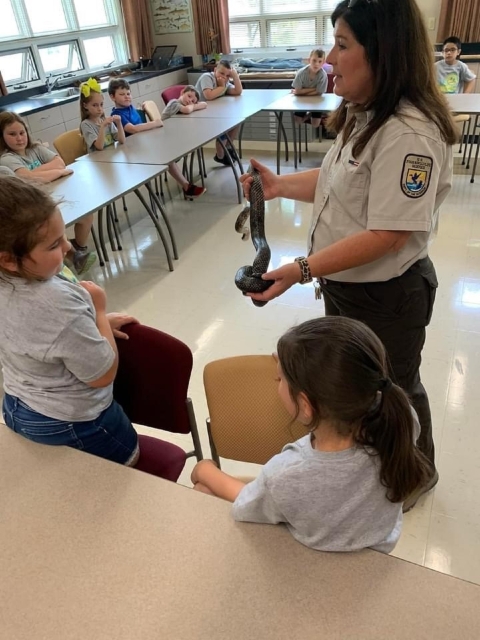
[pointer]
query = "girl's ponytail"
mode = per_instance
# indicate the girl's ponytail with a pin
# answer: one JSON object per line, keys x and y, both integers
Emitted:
{"x": 391, "y": 429}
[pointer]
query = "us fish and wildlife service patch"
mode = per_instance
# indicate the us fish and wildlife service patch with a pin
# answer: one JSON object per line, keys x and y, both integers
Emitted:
{"x": 416, "y": 174}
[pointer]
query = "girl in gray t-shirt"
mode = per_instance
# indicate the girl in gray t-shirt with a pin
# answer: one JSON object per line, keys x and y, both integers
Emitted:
{"x": 341, "y": 487}
{"x": 97, "y": 130}
{"x": 57, "y": 343}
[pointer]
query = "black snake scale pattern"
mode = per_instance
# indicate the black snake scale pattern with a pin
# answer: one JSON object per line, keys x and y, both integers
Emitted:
{"x": 249, "y": 278}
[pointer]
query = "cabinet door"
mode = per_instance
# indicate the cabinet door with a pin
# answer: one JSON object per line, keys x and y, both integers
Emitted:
{"x": 45, "y": 119}
{"x": 146, "y": 87}
{"x": 71, "y": 111}
{"x": 49, "y": 135}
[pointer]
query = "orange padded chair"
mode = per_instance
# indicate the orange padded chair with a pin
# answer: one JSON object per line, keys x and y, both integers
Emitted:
{"x": 247, "y": 420}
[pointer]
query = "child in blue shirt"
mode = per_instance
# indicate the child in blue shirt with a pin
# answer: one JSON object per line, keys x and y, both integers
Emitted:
{"x": 119, "y": 91}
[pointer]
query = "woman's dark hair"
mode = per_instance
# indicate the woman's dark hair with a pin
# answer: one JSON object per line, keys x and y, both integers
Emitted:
{"x": 24, "y": 209}
{"x": 341, "y": 367}
{"x": 397, "y": 48}
{"x": 454, "y": 40}
{"x": 6, "y": 119}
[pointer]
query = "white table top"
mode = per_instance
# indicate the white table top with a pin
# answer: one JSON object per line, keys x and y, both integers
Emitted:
{"x": 290, "y": 102}
{"x": 94, "y": 185}
{"x": 251, "y": 101}
{"x": 167, "y": 144}
{"x": 91, "y": 550}
{"x": 464, "y": 102}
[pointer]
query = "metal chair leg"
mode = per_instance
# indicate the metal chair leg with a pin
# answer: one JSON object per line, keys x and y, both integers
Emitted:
{"x": 472, "y": 179}
{"x": 115, "y": 216}
{"x": 109, "y": 227}
{"x": 204, "y": 168}
{"x": 306, "y": 138}
{"x": 200, "y": 165}
{"x": 462, "y": 139}
{"x": 475, "y": 125}
{"x": 124, "y": 204}
{"x": 163, "y": 213}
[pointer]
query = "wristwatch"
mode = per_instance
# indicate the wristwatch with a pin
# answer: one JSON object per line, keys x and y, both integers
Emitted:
{"x": 305, "y": 269}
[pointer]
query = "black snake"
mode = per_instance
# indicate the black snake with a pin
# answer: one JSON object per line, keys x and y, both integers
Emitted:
{"x": 249, "y": 278}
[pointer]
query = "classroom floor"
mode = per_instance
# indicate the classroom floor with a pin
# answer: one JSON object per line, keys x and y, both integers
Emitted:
{"x": 200, "y": 304}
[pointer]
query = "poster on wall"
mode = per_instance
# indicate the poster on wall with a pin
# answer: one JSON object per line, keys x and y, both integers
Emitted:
{"x": 171, "y": 16}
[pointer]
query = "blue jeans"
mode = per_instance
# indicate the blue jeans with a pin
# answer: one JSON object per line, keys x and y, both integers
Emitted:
{"x": 109, "y": 436}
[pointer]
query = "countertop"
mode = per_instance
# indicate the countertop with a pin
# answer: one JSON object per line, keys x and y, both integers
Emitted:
{"x": 28, "y": 106}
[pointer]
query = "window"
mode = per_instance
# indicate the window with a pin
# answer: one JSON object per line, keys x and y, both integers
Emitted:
{"x": 58, "y": 37}
{"x": 60, "y": 58}
{"x": 283, "y": 24}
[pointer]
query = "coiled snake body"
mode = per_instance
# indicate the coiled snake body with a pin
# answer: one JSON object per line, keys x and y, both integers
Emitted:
{"x": 249, "y": 278}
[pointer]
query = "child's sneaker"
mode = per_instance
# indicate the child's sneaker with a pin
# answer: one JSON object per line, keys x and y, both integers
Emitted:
{"x": 193, "y": 191}
{"x": 83, "y": 261}
{"x": 225, "y": 161}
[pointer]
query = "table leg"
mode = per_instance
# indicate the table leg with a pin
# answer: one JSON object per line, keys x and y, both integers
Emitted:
{"x": 114, "y": 220}
{"x": 240, "y": 136}
{"x": 232, "y": 164}
{"x": 97, "y": 248}
{"x": 101, "y": 235}
{"x": 473, "y": 141}
{"x": 163, "y": 213}
{"x": 295, "y": 150}
{"x": 109, "y": 227}
{"x": 157, "y": 227}
{"x": 472, "y": 179}
{"x": 279, "y": 133}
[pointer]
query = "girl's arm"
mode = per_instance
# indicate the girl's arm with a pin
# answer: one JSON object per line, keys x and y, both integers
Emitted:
{"x": 120, "y": 131}
{"x": 100, "y": 140}
{"x": 43, "y": 176}
{"x": 56, "y": 163}
{"x": 220, "y": 484}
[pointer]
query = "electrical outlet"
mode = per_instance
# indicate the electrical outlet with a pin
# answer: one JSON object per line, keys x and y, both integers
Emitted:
{"x": 431, "y": 24}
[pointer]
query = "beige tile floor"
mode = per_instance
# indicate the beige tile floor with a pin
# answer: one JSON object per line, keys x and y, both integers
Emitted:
{"x": 199, "y": 304}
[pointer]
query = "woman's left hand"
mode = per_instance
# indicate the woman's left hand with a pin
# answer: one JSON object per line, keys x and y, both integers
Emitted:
{"x": 119, "y": 320}
{"x": 285, "y": 277}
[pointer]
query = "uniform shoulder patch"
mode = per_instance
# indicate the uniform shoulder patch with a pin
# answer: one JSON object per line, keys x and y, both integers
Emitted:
{"x": 416, "y": 174}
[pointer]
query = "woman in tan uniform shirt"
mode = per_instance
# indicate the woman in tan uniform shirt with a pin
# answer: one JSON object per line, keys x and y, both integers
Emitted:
{"x": 376, "y": 197}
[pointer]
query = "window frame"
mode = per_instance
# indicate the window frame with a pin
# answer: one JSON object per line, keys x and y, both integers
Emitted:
{"x": 74, "y": 33}
{"x": 322, "y": 20}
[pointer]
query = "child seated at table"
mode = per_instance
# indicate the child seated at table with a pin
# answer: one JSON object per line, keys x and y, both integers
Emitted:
{"x": 341, "y": 487}
{"x": 57, "y": 342}
{"x": 119, "y": 92}
{"x": 97, "y": 130}
{"x": 187, "y": 102}
{"x": 33, "y": 161}
{"x": 222, "y": 81}
{"x": 453, "y": 75}
{"x": 311, "y": 80}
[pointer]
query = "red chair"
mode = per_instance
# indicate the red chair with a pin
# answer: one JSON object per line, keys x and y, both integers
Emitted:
{"x": 172, "y": 93}
{"x": 330, "y": 77}
{"x": 151, "y": 386}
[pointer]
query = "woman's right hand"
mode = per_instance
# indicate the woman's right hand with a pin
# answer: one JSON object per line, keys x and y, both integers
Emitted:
{"x": 98, "y": 295}
{"x": 270, "y": 181}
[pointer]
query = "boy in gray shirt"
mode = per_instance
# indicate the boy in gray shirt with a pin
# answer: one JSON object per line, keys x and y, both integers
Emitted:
{"x": 187, "y": 102}
{"x": 453, "y": 75}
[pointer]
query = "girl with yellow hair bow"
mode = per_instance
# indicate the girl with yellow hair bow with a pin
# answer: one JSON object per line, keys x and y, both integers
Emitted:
{"x": 99, "y": 131}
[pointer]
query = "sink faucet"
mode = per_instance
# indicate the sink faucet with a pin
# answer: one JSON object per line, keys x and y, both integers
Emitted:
{"x": 51, "y": 85}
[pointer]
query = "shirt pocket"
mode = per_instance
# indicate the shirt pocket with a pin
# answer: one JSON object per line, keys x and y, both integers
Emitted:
{"x": 349, "y": 182}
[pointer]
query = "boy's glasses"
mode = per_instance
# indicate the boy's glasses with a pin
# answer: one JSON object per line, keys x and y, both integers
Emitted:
{"x": 450, "y": 50}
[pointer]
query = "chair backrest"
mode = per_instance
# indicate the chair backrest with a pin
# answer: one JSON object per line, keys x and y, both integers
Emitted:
{"x": 330, "y": 85}
{"x": 248, "y": 422}
{"x": 70, "y": 146}
{"x": 172, "y": 93}
{"x": 151, "y": 109}
{"x": 152, "y": 379}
